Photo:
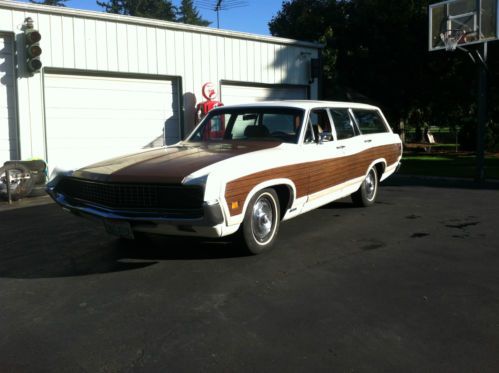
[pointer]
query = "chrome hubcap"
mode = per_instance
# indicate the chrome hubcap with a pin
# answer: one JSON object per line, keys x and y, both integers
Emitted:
{"x": 370, "y": 184}
{"x": 262, "y": 218}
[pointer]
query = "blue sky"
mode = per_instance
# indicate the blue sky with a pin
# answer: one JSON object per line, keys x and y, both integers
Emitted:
{"x": 252, "y": 18}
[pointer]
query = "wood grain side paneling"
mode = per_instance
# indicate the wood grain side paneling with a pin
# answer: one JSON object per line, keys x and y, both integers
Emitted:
{"x": 311, "y": 177}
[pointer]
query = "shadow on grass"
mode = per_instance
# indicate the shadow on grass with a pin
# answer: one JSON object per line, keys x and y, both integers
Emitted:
{"x": 438, "y": 182}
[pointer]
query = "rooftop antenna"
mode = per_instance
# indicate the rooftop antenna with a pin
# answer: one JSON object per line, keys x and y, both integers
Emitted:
{"x": 219, "y": 5}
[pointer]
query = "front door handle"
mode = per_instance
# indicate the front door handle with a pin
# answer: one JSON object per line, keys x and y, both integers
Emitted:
{"x": 368, "y": 140}
{"x": 340, "y": 147}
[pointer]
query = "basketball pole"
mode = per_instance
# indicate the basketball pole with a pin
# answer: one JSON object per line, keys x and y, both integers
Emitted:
{"x": 482, "y": 114}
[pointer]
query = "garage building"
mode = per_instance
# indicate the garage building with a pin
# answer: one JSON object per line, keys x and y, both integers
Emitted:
{"x": 112, "y": 84}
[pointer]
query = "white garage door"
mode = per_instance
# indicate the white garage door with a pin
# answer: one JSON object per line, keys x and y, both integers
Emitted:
{"x": 8, "y": 128}
{"x": 90, "y": 118}
{"x": 238, "y": 94}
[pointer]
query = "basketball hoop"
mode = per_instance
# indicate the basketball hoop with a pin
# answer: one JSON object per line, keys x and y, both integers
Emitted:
{"x": 452, "y": 38}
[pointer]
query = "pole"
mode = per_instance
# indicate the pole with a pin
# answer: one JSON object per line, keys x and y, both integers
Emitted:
{"x": 218, "y": 5}
{"x": 7, "y": 177}
{"x": 482, "y": 115}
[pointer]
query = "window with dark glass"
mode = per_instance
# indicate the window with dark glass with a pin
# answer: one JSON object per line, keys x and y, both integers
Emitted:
{"x": 319, "y": 126}
{"x": 370, "y": 121}
{"x": 343, "y": 124}
{"x": 278, "y": 124}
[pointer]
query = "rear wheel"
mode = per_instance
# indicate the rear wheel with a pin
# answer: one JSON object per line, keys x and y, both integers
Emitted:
{"x": 366, "y": 195}
{"x": 261, "y": 222}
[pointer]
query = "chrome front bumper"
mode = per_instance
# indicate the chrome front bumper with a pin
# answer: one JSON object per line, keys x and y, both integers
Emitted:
{"x": 211, "y": 216}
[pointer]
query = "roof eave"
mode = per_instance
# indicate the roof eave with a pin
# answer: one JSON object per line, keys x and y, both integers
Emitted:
{"x": 26, "y": 7}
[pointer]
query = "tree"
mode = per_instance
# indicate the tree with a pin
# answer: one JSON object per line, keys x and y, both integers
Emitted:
{"x": 157, "y": 9}
{"x": 315, "y": 20}
{"x": 50, "y": 2}
{"x": 381, "y": 56}
{"x": 188, "y": 13}
{"x": 302, "y": 19}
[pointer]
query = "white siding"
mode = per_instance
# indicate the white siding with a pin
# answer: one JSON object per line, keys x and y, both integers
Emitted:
{"x": 68, "y": 50}
{"x": 237, "y": 94}
{"x": 78, "y": 46}
{"x": 122, "y": 46}
{"x": 56, "y": 40}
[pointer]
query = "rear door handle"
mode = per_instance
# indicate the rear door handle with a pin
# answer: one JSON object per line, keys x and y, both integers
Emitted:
{"x": 340, "y": 147}
{"x": 368, "y": 140}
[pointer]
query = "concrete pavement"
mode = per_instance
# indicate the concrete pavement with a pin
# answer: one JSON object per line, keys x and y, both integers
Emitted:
{"x": 410, "y": 284}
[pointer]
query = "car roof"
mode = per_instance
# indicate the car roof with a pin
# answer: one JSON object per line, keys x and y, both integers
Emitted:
{"x": 303, "y": 104}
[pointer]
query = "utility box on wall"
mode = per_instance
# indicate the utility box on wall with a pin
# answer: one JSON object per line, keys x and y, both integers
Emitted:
{"x": 110, "y": 84}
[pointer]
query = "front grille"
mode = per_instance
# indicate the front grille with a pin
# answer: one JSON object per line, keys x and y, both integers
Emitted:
{"x": 133, "y": 196}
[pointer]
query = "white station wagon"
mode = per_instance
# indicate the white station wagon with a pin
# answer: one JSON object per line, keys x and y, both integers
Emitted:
{"x": 243, "y": 169}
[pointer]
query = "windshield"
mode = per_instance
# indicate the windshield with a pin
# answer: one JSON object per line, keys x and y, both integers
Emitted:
{"x": 256, "y": 123}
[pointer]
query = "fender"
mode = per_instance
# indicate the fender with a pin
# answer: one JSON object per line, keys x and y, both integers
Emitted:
{"x": 237, "y": 219}
{"x": 375, "y": 162}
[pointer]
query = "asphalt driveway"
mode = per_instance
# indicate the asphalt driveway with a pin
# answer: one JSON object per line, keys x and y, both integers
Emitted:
{"x": 410, "y": 284}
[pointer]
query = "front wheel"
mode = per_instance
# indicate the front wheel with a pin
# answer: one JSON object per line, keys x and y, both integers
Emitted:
{"x": 366, "y": 195}
{"x": 261, "y": 222}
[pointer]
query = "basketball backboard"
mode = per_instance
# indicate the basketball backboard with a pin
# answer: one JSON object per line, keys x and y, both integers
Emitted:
{"x": 456, "y": 23}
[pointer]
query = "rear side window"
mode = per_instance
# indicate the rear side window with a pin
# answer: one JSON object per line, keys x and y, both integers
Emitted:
{"x": 343, "y": 123}
{"x": 370, "y": 121}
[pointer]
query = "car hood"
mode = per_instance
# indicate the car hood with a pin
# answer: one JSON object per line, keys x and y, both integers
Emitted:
{"x": 169, "y": 164}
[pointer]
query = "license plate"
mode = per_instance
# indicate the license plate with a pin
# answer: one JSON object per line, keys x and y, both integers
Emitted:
{"x": 119, "y": 228}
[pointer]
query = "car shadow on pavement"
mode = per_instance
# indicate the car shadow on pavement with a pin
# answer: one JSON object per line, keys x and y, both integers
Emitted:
{"x": 45, "y": 242}
{"x": 156, "y": 247}
{"x": 343, "y": 204}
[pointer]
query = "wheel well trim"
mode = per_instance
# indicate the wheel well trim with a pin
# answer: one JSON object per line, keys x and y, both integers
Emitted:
{"x": 374, "y": 163}
{"x": 258, "y": 187}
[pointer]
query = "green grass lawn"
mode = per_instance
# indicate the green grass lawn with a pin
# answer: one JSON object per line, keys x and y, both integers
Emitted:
{"x": 448, "y": 165}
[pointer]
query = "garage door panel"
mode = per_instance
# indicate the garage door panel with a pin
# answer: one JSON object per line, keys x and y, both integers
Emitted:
{"x": 72, "y": 98}
{"x": 105, "y": 83}
{"x": 4, "y": 147}
{"x": 89, "y": 114}
{"x": 108, "y": 99}
{"x": 89, "y": 119}
{"x": 113, "y": 129}
{"x": 100, "y": 100}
